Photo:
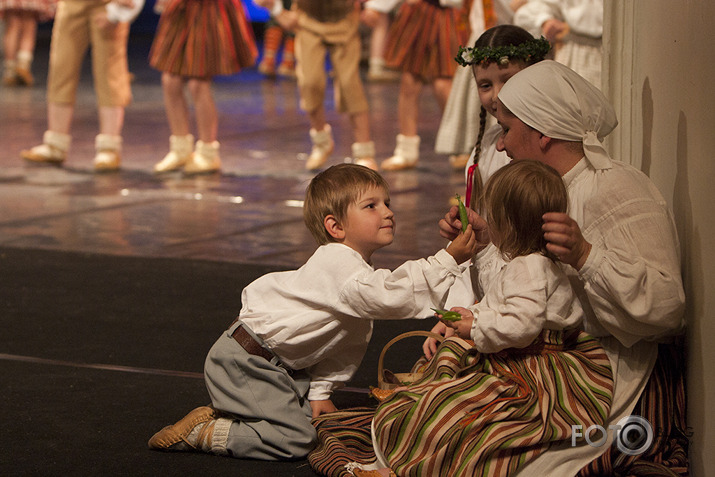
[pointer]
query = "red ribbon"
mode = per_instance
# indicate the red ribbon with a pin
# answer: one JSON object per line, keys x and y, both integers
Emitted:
{"x": 470, "y": 181}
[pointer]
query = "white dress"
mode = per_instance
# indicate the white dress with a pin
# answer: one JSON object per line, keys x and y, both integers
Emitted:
{"x": 459, "y": 126}
{"x": 529, "y": 294}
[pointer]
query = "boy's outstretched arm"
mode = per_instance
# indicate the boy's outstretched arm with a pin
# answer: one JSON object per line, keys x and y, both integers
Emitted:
{"x": 323, "y": 406}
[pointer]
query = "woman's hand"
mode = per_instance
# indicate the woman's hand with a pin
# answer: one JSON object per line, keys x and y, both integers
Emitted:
{"x": 565, "y": 240}
{"x": 429, "y": 347}
{"x": 322, "y": 407}
{"x": 463, "y": 327}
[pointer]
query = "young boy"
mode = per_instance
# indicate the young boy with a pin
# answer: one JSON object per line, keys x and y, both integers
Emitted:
{"x": 301, "y": 334}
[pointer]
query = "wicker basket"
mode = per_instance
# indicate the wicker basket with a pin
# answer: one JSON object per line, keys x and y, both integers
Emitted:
{"x": 403, "y": 378}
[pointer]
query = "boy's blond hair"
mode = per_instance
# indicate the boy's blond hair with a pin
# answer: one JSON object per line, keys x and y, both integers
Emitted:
{"x": 515, "y": 199}
{"x": 332, "y": 191}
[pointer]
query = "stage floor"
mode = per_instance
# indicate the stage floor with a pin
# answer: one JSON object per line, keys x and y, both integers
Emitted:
{"x": 249, "y": 214}
{"x": 113, "y": 286}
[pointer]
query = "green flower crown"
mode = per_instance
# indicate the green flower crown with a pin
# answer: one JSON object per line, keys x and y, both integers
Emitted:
{"x": 532, "y": 50}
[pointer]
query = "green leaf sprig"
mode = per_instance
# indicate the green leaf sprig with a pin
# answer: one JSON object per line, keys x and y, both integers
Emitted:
{"x": 448, "y": 315}
{"x": 463, "y": 216}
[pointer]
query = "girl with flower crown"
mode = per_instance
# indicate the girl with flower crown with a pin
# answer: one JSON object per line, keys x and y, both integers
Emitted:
{"x": 498, "y": 54}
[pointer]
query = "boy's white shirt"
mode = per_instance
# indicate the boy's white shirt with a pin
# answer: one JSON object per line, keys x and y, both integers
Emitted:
{"x": 319, "y": 317}
{"x": 118, "y": 13}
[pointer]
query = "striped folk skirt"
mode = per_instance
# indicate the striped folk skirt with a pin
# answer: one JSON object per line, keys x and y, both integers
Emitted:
{"x": 424, "y": 39}
{"x": 203, "y": 38}
{"x": 477, "y": 414}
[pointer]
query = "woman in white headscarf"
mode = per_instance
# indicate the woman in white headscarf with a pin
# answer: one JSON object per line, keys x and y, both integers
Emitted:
{"x": 618, "y": 246}
{"x": 618, "y": 241}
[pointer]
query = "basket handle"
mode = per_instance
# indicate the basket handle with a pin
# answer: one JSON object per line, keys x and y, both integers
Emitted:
{"x": 397, "y": 338}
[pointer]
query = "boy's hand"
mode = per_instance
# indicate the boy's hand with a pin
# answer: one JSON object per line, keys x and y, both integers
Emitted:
{"x": 464, "y": 246}
{"x": 463, "y": 327}
{"x": 322, "y": 407}
{"x": 429, "y": 347}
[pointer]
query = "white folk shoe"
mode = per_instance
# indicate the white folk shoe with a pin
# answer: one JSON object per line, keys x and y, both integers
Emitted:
{"x": 180, "y": 149}
{"x": 323, "y": 146}
{"x": 364, "y": 154}
{"x": 205, "y": 159}
{"x": 108, "y": 156}
{"x": 53, "y": 149}
{"x": 406, "y": 154}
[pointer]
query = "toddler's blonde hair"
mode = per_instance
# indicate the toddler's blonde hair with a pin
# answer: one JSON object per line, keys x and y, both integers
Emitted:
{"x": 515, "y": 199}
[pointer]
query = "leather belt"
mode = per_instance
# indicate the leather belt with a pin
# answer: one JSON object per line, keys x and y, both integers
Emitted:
{"x": 250, "y": 344}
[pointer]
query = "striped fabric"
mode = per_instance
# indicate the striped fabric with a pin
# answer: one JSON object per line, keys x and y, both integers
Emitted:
{"x": 663, "y": 405}
{"x": 424, "y": 39}
{"x": 203, "y": 38}
{"x": 475, "y": 414}
{"x": 343, "y": 437}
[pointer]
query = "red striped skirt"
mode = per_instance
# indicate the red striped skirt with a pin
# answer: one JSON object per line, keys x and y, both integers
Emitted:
{"x": 345, "y": 436}
{"x": 424, "y": 40}
{"x": 203, "y": 38}
{"x": 478, "y": 414}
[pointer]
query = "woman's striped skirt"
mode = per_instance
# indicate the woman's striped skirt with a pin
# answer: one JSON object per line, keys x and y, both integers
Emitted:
{"x": 478, "y": 414}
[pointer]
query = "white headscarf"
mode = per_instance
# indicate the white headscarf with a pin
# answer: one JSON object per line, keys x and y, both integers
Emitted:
{"x": 557, "y": 102}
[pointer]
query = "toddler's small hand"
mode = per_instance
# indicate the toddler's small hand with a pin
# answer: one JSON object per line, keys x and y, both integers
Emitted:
{"x": 463, "y": 327}
{"x": 464, "y": 246}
